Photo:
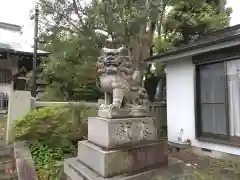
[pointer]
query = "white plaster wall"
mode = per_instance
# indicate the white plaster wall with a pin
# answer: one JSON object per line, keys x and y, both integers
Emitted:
{"x": 6, "y": 88}
{"x": 180, "y": 105}
{"x": 9, "y": 36}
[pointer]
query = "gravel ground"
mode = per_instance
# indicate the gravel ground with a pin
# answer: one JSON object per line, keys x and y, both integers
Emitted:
{"x": 206, "y": 168}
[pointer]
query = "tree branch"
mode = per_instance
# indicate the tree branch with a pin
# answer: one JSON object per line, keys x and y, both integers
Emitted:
{"x": 62, "y": 15}
{"x": 75, "y": 7}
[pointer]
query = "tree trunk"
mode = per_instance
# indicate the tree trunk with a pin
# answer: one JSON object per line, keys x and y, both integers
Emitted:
{"x": 222, "y": 7}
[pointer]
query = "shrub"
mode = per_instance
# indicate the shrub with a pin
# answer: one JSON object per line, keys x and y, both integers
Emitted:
{"x": 54, "y": 124}
{"x": 53, "y": 133}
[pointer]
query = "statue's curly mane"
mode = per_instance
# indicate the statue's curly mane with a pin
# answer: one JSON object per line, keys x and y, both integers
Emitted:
{"x": 119, "y": 56}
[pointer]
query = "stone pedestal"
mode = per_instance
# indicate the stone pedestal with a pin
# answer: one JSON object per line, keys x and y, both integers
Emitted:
{"x": 117, "y": 147}
{"x": 121, "y": 132}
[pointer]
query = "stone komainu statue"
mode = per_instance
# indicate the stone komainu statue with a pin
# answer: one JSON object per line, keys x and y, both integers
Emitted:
{"x": 124, "y": 96}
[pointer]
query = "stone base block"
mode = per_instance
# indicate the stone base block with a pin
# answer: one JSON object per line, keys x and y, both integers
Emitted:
{"x": 108, "y": 113}
{"x": 75, "y": 170}
{"x": 121, "y": 132}
{"x": 114, "y": 162}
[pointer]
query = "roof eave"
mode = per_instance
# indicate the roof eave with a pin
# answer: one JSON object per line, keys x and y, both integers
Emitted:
{"x": 4, "y": 50}
{"x": 197, "y": 49}
{"x": 31, "y": 53}
{"x": 12, "y": 51}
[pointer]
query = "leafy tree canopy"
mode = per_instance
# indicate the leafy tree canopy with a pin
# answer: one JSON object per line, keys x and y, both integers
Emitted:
{"x": 75, "y": 31}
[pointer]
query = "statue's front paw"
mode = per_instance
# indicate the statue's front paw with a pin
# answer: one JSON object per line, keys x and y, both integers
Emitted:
{"x": 112, "y": 106}
{"x": 128, "y": 106}
{"x": 103, "y": 106}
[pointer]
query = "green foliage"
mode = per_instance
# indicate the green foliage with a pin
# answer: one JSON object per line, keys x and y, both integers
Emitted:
{"x": 161, "y": 44}
{"x": 48, "y": 160}
{"x": 185, "y": 22}
{"x": 71, "y": 71}
{"x": 54, "y": 125}
{"x": 52, "y": 94}
{"x": 75, "y": 32}
{"x": 53, "y": 133}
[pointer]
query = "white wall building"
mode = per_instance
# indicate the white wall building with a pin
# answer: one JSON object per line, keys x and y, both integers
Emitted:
{"x": 10, "y": 35}
{"x": 203, "y": 91}
{"x": 14, "y": 55}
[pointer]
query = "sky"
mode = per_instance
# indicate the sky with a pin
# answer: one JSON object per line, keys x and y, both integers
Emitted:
{"x": 18, "y": 12}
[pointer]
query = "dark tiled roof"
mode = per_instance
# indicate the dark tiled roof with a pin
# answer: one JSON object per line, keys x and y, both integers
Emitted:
{"x": 4, "y": 47}
{"x": 17, "y": 48}
{"x": 207, "y": 39}
{"x": 12, "y": 27}
{"x": 14, "y": 46}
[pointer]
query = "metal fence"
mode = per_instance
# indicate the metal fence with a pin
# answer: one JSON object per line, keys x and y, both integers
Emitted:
{"x": 3, "y": 100}
{"x": 5, "y": 81}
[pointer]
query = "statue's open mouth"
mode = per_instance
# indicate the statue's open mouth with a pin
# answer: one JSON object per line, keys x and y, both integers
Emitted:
{"x": 109, "y": 63}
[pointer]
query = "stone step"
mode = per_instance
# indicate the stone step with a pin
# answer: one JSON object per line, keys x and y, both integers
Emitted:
{"x": 75, "y": 170}
{"x": 8, "y": 176}
{"x": 6, "y": 150}
{"x": 2, "y": 143}
{"x": 6, "y": 162}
